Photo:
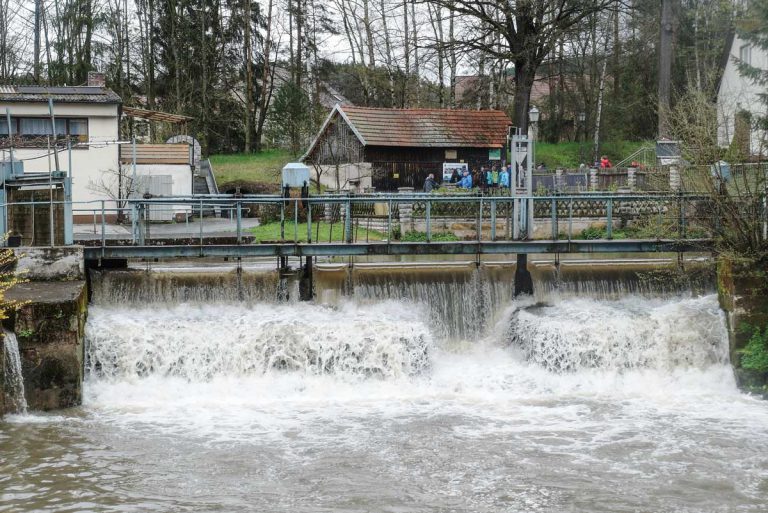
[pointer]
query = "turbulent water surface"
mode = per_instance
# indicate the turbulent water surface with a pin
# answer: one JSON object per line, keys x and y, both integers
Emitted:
{"x": 576, "y": 405}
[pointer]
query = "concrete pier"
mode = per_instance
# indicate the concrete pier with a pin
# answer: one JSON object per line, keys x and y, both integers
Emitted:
{"x": 50, "y": 325}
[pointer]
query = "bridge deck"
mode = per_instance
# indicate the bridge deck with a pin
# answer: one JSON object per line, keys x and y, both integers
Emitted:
{"x": 402, "y": 248}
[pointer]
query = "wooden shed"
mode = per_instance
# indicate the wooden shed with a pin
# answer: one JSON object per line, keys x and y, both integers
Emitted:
{"x": 400, "y": 147}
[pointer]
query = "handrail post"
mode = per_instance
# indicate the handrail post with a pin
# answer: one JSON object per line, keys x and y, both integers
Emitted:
{"x": 570, "y": 219}
{"x": 681, "y": 220}
{"x": 201, "y": 222}
{"x": 493, "y": 219}
{"x": 480, "y": 220}
{"x": 296, "y": 222}
{"x": 239, "y": 222}
{"x": 348, "y": 220}
{"x": 389, "y": 222}
{"x": 103, "y": 228}
{"x": 134, "y": 223}
{"x": 309, "y": 222}
{"x": 554, "y": 219}
{"x": 429, "y": 221}
{"x": 609, "y": 213}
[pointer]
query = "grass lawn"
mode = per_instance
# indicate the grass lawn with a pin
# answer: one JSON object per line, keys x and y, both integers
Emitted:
{"x": 571, "y": 154}
{"x": 250, "y": 167}
{"x": 271, "y": 231}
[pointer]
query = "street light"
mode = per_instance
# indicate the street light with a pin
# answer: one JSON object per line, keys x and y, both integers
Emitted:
{"x": 533, "y": 115}
{"x": 583, "y": 125}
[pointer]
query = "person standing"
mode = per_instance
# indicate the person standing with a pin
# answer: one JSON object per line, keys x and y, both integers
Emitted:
{"x": 430, "y": 183}
{"x": 466, "y": 181}
{"x": 504, "y": 177}
{"x": 494, "y": 182}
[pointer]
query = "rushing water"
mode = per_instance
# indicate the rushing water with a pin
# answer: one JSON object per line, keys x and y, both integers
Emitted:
{"x": 13, "y": 388}
{"x": 365, "y": 404}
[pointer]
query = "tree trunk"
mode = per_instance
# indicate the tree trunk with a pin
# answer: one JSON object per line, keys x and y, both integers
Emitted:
{"x": 525, "y": 73}
{"x": 453, "y": 60}
{"x": 388, "y": 50}
{"x": 247, "y": 53}
{"x": 665, "y": 64}
{"x": 414, "y": 31}
{"x": 267, "y": 78}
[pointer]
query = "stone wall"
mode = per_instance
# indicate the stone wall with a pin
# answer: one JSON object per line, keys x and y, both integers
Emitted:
{"x": 743, "y": 294}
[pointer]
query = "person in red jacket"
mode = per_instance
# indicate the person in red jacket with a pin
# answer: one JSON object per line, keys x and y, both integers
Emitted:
{"x": 605, "y": 163}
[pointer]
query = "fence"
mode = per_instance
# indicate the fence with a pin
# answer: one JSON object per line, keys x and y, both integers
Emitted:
{"x": 421, "y": 217}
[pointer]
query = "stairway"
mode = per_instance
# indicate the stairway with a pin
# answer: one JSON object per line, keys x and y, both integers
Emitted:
{"x": 204, "y": 183}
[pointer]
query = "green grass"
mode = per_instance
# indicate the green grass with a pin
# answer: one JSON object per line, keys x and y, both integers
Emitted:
{"x": 250, "y": 167}
{"x": 271, "y": 231}
{"x": 571, "y": 154}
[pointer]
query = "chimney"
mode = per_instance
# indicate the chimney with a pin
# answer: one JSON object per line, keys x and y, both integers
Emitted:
{"x": 96, "y": 79}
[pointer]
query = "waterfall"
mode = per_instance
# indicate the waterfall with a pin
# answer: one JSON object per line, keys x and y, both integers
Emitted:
{"x": 180, "y": 285}
{"x": 579, "y": 334}
{"x": 14, "y": 381}
{"x": 204, "y": 342}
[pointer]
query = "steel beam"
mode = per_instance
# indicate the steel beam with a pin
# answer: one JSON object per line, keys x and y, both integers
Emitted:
{"x": 404, "y": 248}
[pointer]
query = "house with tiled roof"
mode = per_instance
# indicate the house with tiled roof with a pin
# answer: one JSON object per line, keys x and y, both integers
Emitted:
{"x": 87, "y": 117}
{"x": 391, "y": 148}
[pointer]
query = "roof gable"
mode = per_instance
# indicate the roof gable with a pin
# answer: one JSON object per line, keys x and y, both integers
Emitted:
{"x": 436, "y": 128}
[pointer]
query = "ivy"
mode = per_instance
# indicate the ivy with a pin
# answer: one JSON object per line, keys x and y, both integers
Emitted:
{"x": 755, "y": 355}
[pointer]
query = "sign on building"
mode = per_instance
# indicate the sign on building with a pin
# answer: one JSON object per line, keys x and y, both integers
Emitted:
{"x": 448, "y": 168}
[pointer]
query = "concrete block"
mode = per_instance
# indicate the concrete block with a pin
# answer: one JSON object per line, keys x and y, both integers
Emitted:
{"x": 61, "y": 263}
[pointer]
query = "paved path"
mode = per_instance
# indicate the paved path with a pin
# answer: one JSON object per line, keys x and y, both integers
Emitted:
{"x": 212, "y": 227}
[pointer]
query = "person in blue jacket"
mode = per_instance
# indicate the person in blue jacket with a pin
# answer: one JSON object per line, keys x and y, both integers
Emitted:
{"x": 504, "y": 177}
{"x": 466, "y": 181}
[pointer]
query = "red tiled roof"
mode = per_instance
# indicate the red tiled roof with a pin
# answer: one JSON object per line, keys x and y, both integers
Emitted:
{"x": 436, "y": 128}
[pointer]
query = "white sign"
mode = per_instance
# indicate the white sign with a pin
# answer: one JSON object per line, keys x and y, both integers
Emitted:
{"x": 448, "y": 168}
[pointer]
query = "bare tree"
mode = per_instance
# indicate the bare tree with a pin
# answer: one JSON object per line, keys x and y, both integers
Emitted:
{"x": 528, "y": 32}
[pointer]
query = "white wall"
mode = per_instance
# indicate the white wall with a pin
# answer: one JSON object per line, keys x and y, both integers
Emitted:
{"x": 90, "y": 166}
{"x": 359, "y": 172}
{"x": 738, "y": 93}
{"x": 180, "y": 174}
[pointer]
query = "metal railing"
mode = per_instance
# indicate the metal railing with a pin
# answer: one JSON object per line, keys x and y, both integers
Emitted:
{"x": 384, "y": 219}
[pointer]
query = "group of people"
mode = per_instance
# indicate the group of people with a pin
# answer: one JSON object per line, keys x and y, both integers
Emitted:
{"x": 493, "y": 176}
{"x": 483, "y": 177}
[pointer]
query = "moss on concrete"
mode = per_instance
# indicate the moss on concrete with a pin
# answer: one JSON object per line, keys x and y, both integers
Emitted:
{"x": 50, "y": 329}
{"x": 742, "y": 288}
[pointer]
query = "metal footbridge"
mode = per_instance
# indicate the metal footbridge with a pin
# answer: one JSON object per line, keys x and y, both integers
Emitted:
{"x": 400, "y": 224}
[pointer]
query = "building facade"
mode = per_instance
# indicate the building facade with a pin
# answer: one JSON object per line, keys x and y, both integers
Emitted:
{"x": 86, "y": 117}
{"x": 738, "y": 102}
{"x": 360, "y": 147}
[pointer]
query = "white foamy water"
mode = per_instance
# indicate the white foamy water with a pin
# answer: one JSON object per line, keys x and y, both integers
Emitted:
{"x": 188, "y": 408}
{"x": 14, "y": 383}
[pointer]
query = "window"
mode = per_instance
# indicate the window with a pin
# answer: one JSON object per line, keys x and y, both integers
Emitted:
{"x": 745, "y": 54}
{"x": 34, "y": 132}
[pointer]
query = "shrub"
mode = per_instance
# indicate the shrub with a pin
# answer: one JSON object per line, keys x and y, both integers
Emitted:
{"x": 755, "y": 355}
{"x": 414, "y": 236}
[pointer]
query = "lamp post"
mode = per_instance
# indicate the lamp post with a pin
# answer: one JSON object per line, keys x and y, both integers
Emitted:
{"x": 583, "y": 126}
{"x": 533, "y": 118}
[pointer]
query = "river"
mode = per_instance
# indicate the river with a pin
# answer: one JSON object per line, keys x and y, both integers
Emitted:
{"x": 573, "y": 404}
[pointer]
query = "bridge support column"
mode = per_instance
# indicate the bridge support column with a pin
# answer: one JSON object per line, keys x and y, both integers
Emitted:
{"x": 523, "y": 279}
{"x": 306, "y": 281}
{"x": 282, "y": 286}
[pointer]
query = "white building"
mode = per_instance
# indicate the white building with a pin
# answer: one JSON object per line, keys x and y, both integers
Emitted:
{"x": 738, "y": 100}
{"x": 101, "y": 169}
{"x": 87, "y": 114}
